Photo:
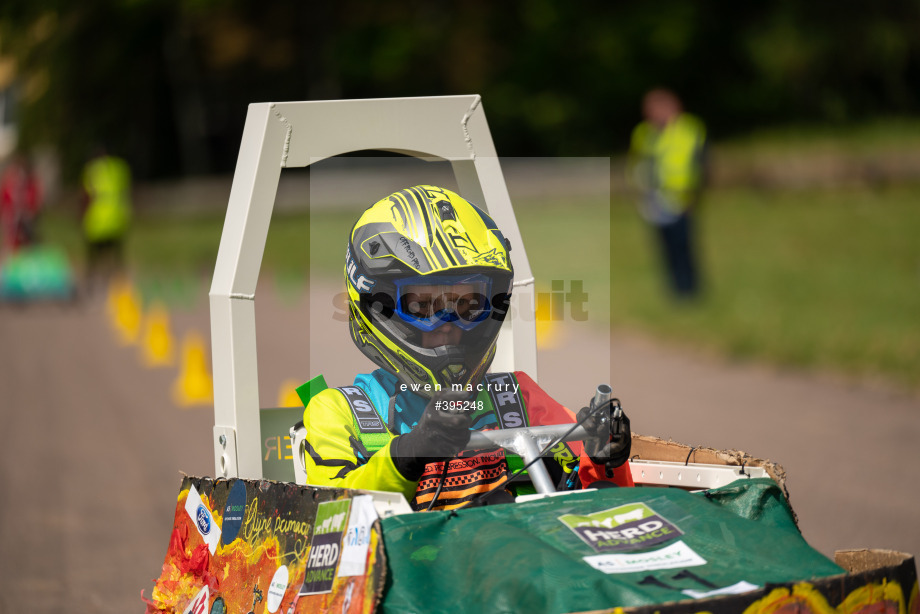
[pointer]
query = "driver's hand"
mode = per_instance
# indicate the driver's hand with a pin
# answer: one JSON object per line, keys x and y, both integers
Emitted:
{"x": 440, "y": 434}
{"x": 610, "y": 439}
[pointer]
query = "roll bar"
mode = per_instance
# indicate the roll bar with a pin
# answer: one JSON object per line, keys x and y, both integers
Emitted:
{"x": 281, "y": 135}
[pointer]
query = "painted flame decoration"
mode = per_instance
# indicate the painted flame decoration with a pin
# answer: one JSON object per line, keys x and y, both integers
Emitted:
{"x": 249, "y": 562}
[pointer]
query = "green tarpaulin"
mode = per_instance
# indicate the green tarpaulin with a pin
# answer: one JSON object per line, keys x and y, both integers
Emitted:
{"x": 614, "y": 547}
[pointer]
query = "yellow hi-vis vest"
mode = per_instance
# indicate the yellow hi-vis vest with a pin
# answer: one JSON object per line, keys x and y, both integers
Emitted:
{"x": 668, "y": 161}
{"x": 107, "y": 180}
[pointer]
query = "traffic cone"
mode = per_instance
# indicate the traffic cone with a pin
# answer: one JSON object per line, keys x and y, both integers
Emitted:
{"x": 287, "y": 394}
{"x": 157, "y": 349}
{"x": 124, "y": 310}
{"x": 547, "y": 328}
{"x": 194, "y": 386}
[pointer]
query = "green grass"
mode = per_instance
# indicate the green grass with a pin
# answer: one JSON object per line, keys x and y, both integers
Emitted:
{"x": 869, "y": 137}
{"x": 827, "y": 280}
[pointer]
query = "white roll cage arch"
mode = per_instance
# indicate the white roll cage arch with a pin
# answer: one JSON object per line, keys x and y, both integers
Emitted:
{"x": 297, "y": 134}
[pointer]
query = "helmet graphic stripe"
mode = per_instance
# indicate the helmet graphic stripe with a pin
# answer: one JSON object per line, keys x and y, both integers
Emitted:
{"x": 412, "y": 225}
{"x": 421, "y": 202}
{"x": 441, "y": 253}
{"x": 428, "y": 247}
{"x": 415, "y": 215}
{"x": 413, "y": 228}
{"x": 400, "y": 210}
{"x": 437, "y": 243}
{"x": 438, "y": 247}
{"x": 447, "y": 250}
{"x": 452, "y": 253}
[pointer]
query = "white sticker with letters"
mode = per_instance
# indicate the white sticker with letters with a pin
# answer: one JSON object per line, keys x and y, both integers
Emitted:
{"x": 276, "y": 589}
{"x": 358, "y": 536}
{"x": 675, "y": 556}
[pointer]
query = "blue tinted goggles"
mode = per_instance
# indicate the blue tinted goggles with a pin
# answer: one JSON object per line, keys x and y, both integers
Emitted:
{"x": 427, "y": 302}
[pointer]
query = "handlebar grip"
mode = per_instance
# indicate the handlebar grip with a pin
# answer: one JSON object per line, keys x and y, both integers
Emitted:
{"x": 601, "y": 395}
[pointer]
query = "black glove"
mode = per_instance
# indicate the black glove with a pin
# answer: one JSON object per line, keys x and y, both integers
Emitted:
{"x": 440, "y": 434}
{"x": 610, "y": 439}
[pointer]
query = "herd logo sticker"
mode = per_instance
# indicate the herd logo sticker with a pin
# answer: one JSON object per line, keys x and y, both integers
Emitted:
{"x": 635, "y": 526}
{"x": 325, "y": 547}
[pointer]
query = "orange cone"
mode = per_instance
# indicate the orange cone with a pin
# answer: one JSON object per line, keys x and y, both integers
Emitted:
{"x": 157, "y": 347}
{"x": 194, "y": 386}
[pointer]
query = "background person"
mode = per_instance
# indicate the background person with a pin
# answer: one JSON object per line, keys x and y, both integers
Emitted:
{"x": 20, "y": 203}
{"x": 667, "y": 164}
{"x": 107, "y": 216}
{"x": 429, "y": 281}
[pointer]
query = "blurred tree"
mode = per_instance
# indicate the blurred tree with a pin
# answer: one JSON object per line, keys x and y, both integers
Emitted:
{"x": 166, "y": 82}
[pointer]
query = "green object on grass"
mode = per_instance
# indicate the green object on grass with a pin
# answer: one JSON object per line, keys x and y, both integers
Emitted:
{"x": 35, "y": 273}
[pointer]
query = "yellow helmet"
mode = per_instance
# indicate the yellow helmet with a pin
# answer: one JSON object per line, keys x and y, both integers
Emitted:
{"x": 421, "y": 258}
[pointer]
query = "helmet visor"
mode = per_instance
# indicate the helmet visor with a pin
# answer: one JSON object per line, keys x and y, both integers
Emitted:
{"x": 427, "y": 302}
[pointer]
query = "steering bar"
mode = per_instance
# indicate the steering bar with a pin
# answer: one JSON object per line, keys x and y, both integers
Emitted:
{"x": 527, "y": 442}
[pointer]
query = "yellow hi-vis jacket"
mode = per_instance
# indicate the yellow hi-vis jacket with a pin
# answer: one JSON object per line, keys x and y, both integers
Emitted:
{"x": 107, "y": 181}
{"x": 667, "y": 164}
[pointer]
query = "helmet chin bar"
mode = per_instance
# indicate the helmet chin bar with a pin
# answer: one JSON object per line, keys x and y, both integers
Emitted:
{"x": 447, "y": 365}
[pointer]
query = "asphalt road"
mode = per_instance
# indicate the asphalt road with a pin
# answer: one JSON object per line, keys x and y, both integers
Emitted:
{"x": 90, "y": 452}
{"x": 92, "y": 445}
